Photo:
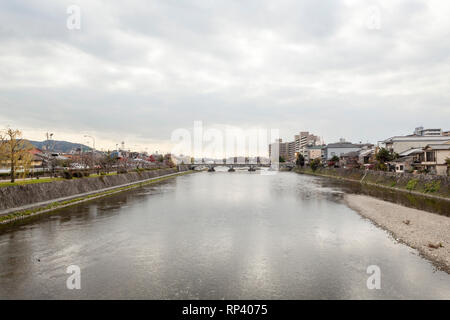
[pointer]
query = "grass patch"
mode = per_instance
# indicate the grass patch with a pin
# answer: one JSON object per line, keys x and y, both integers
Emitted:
{"x": 46, "y": 180}
{"x": 30, "y": 181}
{"x": 94, "y": 175}
{"x": 433, "y": 186}
{"x": 412, "y": 184}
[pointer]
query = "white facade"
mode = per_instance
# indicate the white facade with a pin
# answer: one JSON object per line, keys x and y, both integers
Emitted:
{"x": 338, "y": 149}
{"x": 403, "y": 143}
{"x": 420, "y": 131}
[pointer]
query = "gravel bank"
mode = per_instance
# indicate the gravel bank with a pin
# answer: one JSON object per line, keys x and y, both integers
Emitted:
{"x": 427, "y": 232}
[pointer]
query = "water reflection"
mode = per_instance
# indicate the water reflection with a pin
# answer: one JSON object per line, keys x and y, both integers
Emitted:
{"x": 214, "y": 235}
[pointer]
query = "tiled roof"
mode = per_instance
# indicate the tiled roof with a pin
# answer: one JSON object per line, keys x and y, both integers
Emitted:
{"x": 351, "y": 154}
{"x": 410, "y": 152}
{"x": 417, "y": 138}
{"x": 343, "y": 145}
{"x": 403, "y": 159}
{"x": 438, "y": 146}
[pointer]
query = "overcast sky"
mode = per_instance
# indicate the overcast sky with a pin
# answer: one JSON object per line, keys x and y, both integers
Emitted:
{"x": 137, "y": 70}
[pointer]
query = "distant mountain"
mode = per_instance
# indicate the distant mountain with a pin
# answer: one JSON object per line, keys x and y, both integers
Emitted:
{"x": 58, "y": 146}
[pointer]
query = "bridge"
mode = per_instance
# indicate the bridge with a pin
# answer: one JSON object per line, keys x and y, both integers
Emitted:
{"x": 232, "y": 165}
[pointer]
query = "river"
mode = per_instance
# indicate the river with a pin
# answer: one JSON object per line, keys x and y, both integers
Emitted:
{"x": 218, "y": 235}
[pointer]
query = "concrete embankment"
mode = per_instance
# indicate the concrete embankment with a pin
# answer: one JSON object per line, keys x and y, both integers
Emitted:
{"x": 26, "y": 200}
{"x": 422, "y": 184}
{"x": 421, "y": 230}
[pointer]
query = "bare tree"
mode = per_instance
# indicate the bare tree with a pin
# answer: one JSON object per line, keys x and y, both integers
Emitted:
{"x": 15, "y": 151}
{"x": 107, "y": 161}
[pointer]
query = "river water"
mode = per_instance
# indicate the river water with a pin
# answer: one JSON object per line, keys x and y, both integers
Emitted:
{"x": 214, "y": 235}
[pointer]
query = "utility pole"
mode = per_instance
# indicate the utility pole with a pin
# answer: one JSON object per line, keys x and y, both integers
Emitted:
{"x": 92, "y": 160}
{"x": 49, "y": 150}
{"x": 49, "y": 137}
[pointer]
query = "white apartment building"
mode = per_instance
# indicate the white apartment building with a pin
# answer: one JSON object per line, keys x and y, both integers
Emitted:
{"x": 305, "y": 139}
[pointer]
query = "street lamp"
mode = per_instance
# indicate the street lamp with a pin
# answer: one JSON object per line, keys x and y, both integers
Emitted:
{"x": 48, "y": 143}
{"x": 93, "y": 140}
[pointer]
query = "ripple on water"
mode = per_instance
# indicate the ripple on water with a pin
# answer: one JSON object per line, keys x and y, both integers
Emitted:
{"x": 216, "y": 236}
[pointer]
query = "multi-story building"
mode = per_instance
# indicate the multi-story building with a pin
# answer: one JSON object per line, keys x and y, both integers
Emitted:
{"x": 400, "y": 144}
{"x": 311, "y": 153}
{"x": 290, "y": 151}
{"x": 419, "y": 139}
{"x": 286, "y": 149}
{"x": 435, "y": 158}
{"x": 420, "y": 131}
{"x": 340, "y": 148}
{"x": 305, "y": 139}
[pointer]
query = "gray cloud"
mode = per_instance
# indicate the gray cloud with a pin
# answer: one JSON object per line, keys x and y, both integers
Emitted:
{"x": 142, "y": 69}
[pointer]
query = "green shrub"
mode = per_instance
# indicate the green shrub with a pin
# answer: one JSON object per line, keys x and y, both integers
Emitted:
{"x": 335, "y": 159}
{"x": 315, "y": 164}
{"x": 432, "y": 186}
{"x": 122, "y": 170}
{"x": 411, "y": 185}
{"x": 300, "y": 160}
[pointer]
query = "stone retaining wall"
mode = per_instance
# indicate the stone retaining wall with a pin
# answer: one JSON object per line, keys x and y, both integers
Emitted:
{"x": 424, "y": 183}
{"x": 21, "y": 195}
